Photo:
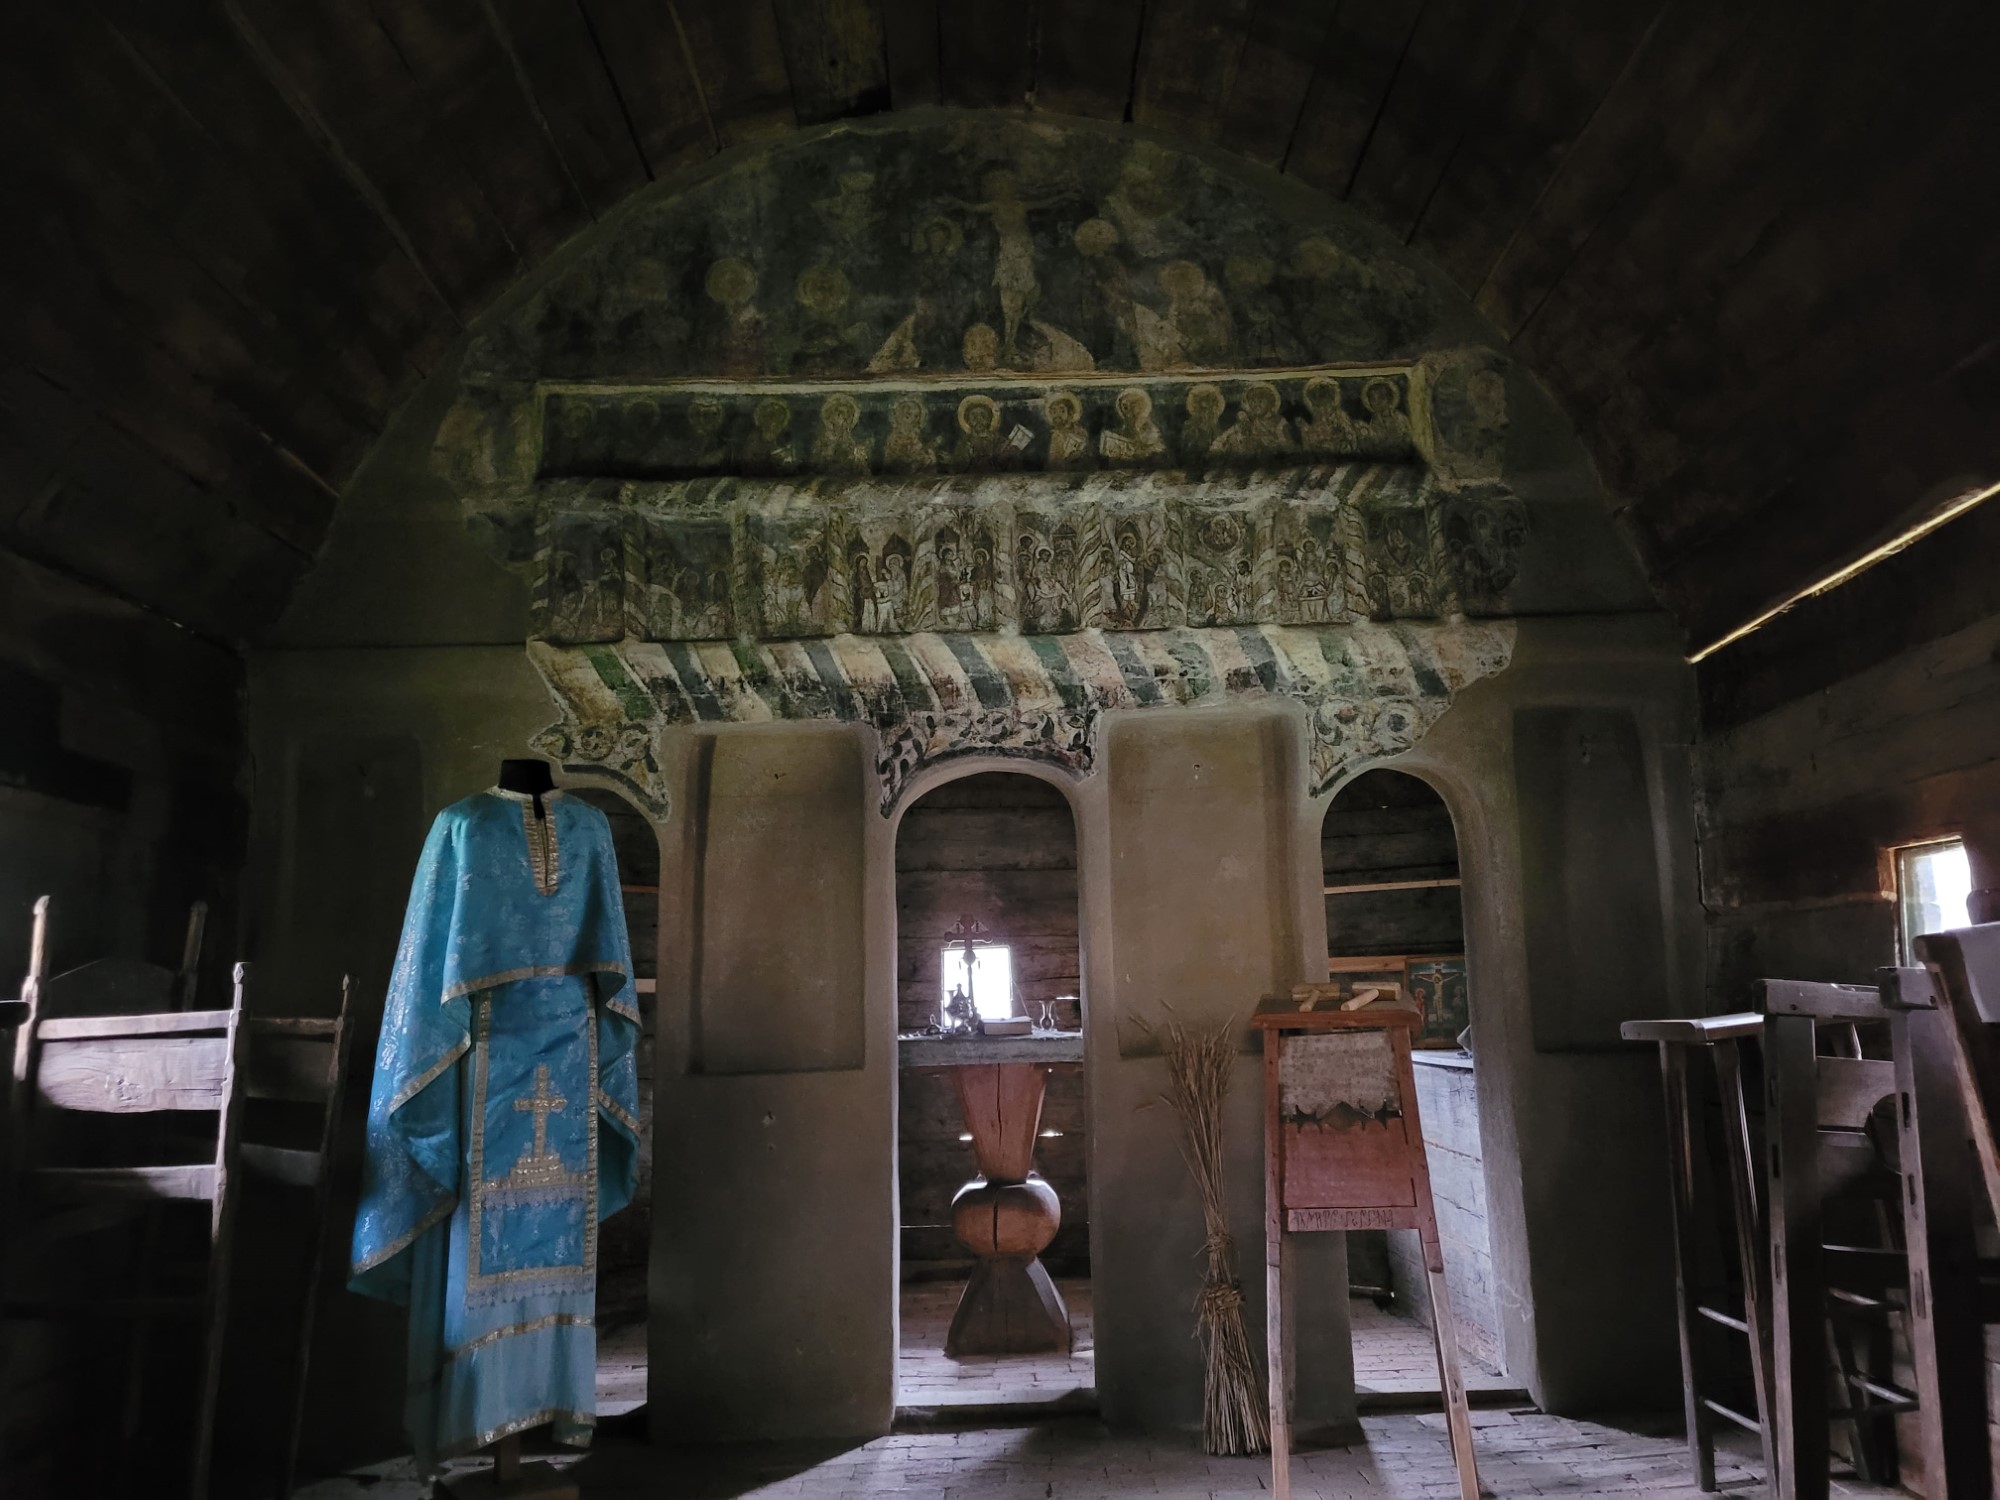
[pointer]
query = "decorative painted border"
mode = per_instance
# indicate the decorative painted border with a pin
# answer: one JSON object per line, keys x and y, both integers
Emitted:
{"x": 1372, "y": 691}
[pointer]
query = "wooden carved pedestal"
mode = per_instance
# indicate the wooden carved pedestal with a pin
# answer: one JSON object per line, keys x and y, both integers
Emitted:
{"x": 1007, "y": 1215}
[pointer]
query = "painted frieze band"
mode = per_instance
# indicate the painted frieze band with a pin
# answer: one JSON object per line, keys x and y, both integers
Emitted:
{"x": 1370, "y": 691}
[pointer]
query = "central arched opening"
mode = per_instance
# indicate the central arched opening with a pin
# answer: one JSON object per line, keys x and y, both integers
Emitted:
{"x": 1395, "y": 923}
{"x": 995, "y": 1282}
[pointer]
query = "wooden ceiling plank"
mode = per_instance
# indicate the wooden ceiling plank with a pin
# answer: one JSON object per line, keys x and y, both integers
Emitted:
{"x": 1908, "y": 451}
{"x": 1282, "y": 46}
{"x": 985, "y": 53}
{"x": 1188, "y": 60}
{"x": 552, "y": 48}
{"x": 133, "y": 293}
{"x": 650, "y": 68}
{"x": 1633, "y": 294}
{"x": 1364, "y": 50}
{"x": 1805, "y": 414}
{"x": 1557, "y": 70}
{"x": 118, "y": 516}
{"x": 114, "y": 192}
{"x": 143, "y": 392}
{"x": 340, "y": 73}
{"x": 741, "y": 57}
{"x": 910, "y": 41}
{"x": 1805, "y": 243}
{"x": 1441, "y": 93}
{"x": 835, "y": 57}
{"x": 1085, "y": 52}
{"x": 476, "y": 94}
{"x": 1623, "y": 144}
{"x": 272, "y": 219}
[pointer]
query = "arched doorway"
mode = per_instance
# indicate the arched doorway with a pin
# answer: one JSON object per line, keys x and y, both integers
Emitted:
{"x": 1389, "y": 858}
{"x": 998, "y": 849}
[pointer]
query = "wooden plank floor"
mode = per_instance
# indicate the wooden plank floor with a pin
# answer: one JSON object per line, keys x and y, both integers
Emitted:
{"x": 1403, "y": 1457}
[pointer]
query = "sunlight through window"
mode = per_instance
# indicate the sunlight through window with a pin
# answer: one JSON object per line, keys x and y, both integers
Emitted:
{"x": 986, "y": 974}
{"x": 1933, "y": 884}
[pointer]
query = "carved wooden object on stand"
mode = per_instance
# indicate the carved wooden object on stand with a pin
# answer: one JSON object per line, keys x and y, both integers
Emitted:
{"x": 1344, "y": 1150}
{"x": 1008, "y": 1215}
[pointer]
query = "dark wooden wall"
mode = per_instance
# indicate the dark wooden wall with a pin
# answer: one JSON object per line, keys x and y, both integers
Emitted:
{"x": 1000, "y": 848}
{"x": 1381, "y": 827}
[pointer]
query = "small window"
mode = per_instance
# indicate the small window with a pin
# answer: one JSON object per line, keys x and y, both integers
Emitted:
{"x": 1933, "y": 884}
{"x": 984, "y": 972}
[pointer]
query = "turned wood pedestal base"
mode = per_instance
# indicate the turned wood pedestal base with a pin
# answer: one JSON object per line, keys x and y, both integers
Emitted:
{"x": 1007, "y": 1216}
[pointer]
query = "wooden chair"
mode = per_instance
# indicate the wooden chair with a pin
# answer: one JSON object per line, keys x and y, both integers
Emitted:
{"x": 1804, "y": 1296}
{"x": 181, "y": 1061}
{"x": 1745, "y": 1309}
{"x": 295, "y": 1074}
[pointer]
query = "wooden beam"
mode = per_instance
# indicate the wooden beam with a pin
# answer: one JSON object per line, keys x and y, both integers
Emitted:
{"x": 1550, "y": 80}
{"x": 1188, "y": 60}
{"x": 564, "y": 78}
{"x": 1392, "y": 885}
{"x": 340, "y": 74}
{"x": 1085, "y": 51}
{"x": 910, "y": 47}
{"x": 738, "y": 60}
{"x": 474, "y": 90}
{"x": 1441, "y": 95}
{"x": 1620, "y": 148}
{"x": 1282, "y": 46}
{"x": 984, "y": 53}
{"x": 835, "y": 57}
{"x": 1363, "y": 53}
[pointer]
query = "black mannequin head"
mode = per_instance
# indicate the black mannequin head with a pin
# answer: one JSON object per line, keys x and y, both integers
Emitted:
{"x": 531, "y": 777}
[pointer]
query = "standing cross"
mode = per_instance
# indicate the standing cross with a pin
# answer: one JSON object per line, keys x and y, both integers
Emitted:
{"x": 541, "y": 1104}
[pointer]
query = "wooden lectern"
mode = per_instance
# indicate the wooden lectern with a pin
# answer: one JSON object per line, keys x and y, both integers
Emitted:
{"x": 1344, "y": 1149}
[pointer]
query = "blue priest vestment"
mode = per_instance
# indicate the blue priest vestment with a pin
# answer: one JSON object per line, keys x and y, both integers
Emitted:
{"x": 504, "y": 1119}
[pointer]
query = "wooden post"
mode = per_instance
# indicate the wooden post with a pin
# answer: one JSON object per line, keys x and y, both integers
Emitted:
{"x": 221, "y": 1234}
{"x": 1750, "y": 1242}
{"x": 1917, "y": 1246}
{"x": 1798, "y": 1281}
{"x": 1274, "y": 1281}
{"x": 1680, "y": 1167}
{"x": 1458, "y": 1411}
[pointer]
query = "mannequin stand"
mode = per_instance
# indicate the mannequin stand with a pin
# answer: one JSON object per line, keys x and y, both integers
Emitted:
{"x": 511, "y": 1479}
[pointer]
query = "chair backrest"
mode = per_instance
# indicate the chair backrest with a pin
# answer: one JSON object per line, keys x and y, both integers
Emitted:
{"x": 137, "y": 1064}
{"x": 118, "y": 986}
{"x": 294, "y": 1062}
{"x": 1964, "y": 966}
{"x": 1966, "y": 962}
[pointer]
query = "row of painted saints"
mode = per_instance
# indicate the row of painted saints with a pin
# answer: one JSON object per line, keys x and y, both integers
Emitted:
{"x": 1389, "y": 554}
{"x": 588, "y": 433}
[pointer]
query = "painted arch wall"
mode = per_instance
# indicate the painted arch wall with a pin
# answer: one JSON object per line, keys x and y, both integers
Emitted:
{"x": 774, "y": 1278}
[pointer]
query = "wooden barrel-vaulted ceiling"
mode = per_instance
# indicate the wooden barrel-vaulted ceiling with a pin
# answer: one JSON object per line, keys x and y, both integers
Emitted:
{"x": 1750, "y": 247}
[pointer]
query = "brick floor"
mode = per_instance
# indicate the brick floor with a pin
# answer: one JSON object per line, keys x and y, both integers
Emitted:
{"x": 926, "y": 1376}
{"x": 1396, "y": 1356}
{"x": 1402, "y": 1457}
